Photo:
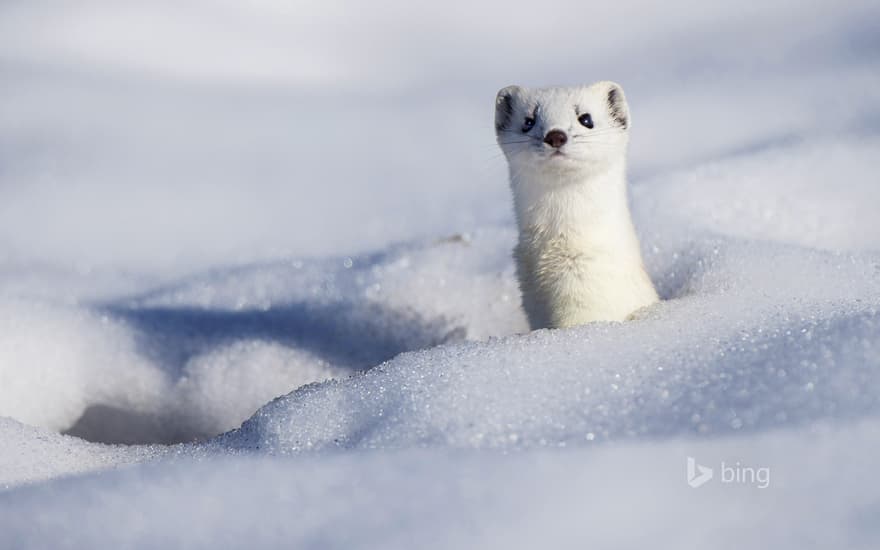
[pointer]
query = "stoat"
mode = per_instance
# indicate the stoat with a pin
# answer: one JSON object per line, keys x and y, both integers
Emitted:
{"x": 578, "y": 257}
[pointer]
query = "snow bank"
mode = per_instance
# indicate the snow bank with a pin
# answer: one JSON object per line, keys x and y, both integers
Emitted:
{"x": 195, "y": 358}
{"x": 630, "y": 496}
{"x": 55, "y": 361}
{"x": 800, "y": 347}
{"x": 86, "y": 372}
{"x": 806, "y": 192}
{"x": 31, "y": 454}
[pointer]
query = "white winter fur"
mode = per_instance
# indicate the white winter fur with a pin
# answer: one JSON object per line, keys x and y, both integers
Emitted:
{"x": 578, "y": 257}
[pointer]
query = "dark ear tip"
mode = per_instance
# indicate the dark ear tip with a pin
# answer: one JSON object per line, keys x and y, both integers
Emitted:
{"x": 616, "y": 92}
{"x": 617, "y": 106}
{"x": 504, "y": 107}
{"x": 506, "y": 91}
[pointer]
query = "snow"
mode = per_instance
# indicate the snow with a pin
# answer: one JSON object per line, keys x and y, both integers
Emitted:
{"x": 32, "y": 454}
{"x": 630, "y": 495}
{"x": 276, "y": 266}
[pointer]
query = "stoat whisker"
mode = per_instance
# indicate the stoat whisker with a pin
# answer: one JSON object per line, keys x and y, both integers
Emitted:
{"x": 597, "y": 139}
{"x": 599, "y": 132}
{"x": 515, "y": 142}
{"x": 609, "y": 135}
{"x": 514, "y": 178}
{"x": 494, "y": 157}
{"x": 512, "y": 132}
{"x": 522, "y": 135}
{"x": 591, "y": 146}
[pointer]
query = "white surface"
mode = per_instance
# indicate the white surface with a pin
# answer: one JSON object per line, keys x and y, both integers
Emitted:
{"x": 207, "y": 206}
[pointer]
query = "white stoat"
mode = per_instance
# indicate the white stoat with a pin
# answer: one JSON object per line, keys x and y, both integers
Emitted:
{"x": 578, "y": 257}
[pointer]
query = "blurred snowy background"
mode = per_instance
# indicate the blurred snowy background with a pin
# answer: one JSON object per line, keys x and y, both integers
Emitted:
{"x": 207, "y": 205}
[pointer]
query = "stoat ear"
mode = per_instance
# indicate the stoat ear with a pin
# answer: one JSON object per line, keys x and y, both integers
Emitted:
{"x": 617, "y": 106}
{"x": 504, "y": 107}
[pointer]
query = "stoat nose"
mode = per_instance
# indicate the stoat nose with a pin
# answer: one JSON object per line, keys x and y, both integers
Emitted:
{"x": 555, "y": 138}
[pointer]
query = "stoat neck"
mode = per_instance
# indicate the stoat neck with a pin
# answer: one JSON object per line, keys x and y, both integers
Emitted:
{"x": 588, "y": 210}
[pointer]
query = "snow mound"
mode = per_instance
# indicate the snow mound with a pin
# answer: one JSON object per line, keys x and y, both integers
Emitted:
{"x": 800, "y": 348}
{"x": 31, "y": 454}
{"x": 195, "y": 357}
{"x": 628, "y": 496}
{"x": 57, "y": 360}
{"x": 807, "y": 192}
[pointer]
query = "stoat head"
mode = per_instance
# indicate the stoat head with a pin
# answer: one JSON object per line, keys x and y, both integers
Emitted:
{"x": 574, "y": 129}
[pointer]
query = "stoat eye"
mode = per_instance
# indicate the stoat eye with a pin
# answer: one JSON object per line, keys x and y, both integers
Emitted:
{"x": 586, "y": 120}
{"x": 528, "y": 124}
